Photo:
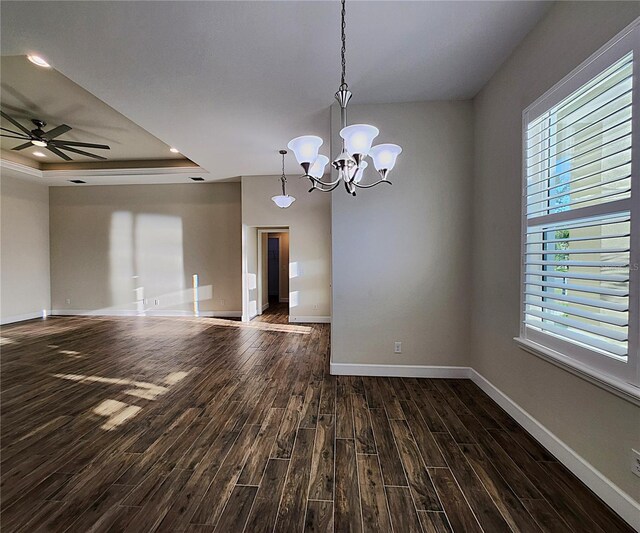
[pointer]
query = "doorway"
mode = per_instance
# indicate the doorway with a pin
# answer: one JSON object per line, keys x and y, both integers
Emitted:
{"x": 273, "y": 269}
{"x": 273, "y": 275}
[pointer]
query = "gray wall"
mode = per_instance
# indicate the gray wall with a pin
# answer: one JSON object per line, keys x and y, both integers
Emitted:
{"x": 599, "y": 426}
{"x": 24, "y": 223}
{"x": 112, "y": 246}
{"x": 401, "y": 252}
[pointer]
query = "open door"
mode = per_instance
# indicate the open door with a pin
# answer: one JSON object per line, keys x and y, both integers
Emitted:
{"x": 273, "y": 276}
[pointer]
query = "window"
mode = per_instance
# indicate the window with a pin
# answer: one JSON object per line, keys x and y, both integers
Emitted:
{"x": 581, "y": 211}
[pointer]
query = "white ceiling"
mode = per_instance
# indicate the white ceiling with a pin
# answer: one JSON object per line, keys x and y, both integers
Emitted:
{"x": 229, "y": 83}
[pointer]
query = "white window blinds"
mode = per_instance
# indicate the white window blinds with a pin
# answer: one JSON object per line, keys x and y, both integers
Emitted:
{"x": 579, "y": 289}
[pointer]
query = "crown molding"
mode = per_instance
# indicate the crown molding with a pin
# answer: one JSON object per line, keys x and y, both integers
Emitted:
{"x": 19, "y": 167}
{"x": 123, "y": 172}
{"x": 12, "y": 166}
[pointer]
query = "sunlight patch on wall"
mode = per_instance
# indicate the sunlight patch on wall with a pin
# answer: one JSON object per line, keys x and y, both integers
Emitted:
{"x": 121, "y": 257}
{"x": 294, "y": 299}
{"x": 159, "y": 254}
{"x": 196, "y": 299}
{"x": 293, "y": 269}
{"x": 146, "y": 263}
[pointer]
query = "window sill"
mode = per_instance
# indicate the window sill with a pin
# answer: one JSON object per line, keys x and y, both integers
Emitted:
{"x": 620, "y": 388}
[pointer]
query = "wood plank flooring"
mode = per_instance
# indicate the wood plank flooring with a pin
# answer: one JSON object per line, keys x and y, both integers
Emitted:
{"x": 170, "y": 424}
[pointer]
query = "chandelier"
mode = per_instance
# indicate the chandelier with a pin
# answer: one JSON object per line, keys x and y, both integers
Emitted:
{"x": 283, "y": 200}
{"x": 356, "y": 146}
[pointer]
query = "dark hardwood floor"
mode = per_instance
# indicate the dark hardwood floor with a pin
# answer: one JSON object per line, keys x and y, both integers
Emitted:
{"x": 171, "y": 424}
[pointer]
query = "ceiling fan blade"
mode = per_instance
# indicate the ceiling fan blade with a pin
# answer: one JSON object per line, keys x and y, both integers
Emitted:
{"x": 14, "y": 132}
{"x": 82, "y": 152}
{"x": 13, "y": 136}
{"x": 58, "y": 152}
{"x": 62, "y": 143}
{"x": 23, "y": 146}
{"x": 15, "y": 123}
{"x": 55, "y": 132}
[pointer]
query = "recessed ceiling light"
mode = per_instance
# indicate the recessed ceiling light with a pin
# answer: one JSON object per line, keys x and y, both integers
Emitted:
{"x": 37, "y": 60}
{"x": 42, "y": 144}
{"x": 77, "y": 181}
{"x": 174, "y": 150}
{"x": 39, "y": 154}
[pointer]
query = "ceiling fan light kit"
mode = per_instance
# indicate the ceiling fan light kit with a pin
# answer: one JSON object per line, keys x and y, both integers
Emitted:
{"x": 48, "y": 139}
{"x": 357, "y": 141}
{"x": 284, "y": 200}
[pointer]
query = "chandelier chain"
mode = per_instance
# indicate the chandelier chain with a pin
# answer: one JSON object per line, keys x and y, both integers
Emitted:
{"x": 283, "y": 179}
{"x": 343, "y": 84}
{"x": 283, "y": 176}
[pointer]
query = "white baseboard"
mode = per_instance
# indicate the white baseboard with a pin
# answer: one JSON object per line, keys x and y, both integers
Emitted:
{"x": 20, "y": 318}
{"x": 401, "y": 371}
{"x": 310, "y": 319}
{"x": 265, "y": 307}
{"x": 147, "y": 312}
{"x": 621, "y": 502}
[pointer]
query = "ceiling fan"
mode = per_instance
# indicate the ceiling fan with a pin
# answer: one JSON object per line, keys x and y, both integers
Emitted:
{"x": 47, "y": 139}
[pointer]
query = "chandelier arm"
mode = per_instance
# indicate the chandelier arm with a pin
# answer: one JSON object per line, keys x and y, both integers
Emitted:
{"x": 372, "y": 184}
{"x": 316, "y": 188}
{"x": 320, "y": 182}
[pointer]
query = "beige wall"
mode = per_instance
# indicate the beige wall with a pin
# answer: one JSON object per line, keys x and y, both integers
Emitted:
{"x": 112, "y": 247}
{"x": 599, "y": 426}
{"x": 309, "y": 223}
{"x": 24, "y": 208}
{"x": 401, "y": 252}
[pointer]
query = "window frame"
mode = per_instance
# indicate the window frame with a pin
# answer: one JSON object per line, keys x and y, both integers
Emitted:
{"x": 623, "y": 377}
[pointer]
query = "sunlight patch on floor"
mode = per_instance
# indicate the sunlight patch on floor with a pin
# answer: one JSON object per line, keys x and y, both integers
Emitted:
{"x": 264, "y": 326}
{"x": 143, "y": 389}
{"x": 117, "y": 413}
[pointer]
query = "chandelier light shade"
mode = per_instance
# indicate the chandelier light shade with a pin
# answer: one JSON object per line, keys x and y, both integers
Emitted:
{"x": 305, "y": 149}
{"x": 384, "y": 157}
{"x": 357, "y": 141}
{"x": 317, "y": 169}
{"x": 359, "y": 138}
{"x": 358, "y": 176}
{"x": 283, "y": 200}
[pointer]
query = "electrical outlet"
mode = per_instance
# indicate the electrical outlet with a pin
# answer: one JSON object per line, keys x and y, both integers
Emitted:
{"x": 397, "y": 347}
{"x": 156, "y": 302}
{"x": 222, "y": 302}
{"x": 67, "y": 301}
{"x": 635, "y": 462}
{"x": 145, "y": 301}
{"x": 315, "y": 307}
